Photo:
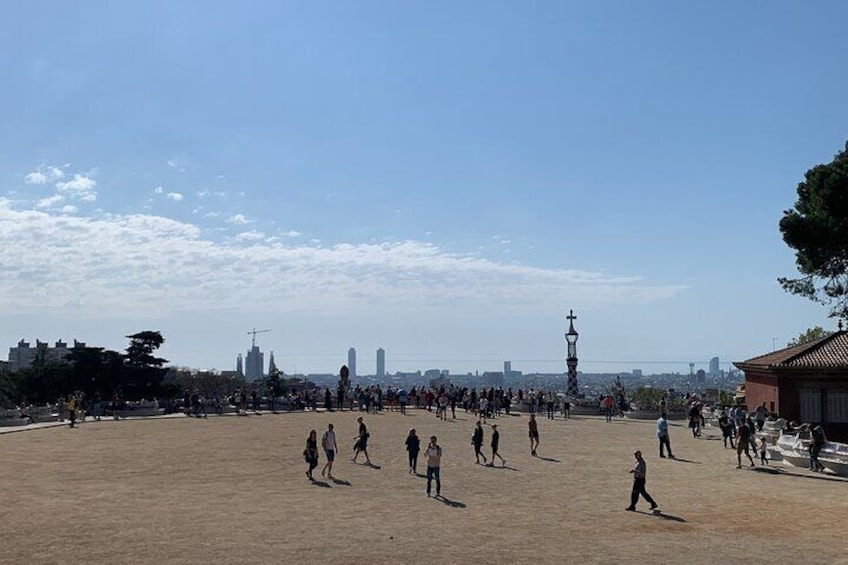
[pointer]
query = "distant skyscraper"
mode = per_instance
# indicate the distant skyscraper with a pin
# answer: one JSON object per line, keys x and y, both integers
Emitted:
{"x": 351, "y": 362}
{"x": 691, "y": 368}
{"x": 255, "y": 364}
{"x": 507, "y": 368}
{"x": 240, "y": 365}
{"x": 714, "y": 370}
{"x": 700, "y": 377}
{"x": 381, "y": 363}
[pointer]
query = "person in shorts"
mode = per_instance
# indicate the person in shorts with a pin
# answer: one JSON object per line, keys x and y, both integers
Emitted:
{"x": 743, "y": 443}
{"x": 328, "y": 443}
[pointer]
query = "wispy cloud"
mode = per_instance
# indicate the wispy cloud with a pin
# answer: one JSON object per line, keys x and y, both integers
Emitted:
{"x": 119, "y": 265}
{"x": 158, "y": 190}
{"x": 292, "y": 233}
{"x": 175, "y": 196}
{"x": 80, "y": 187}
{"x": 44, "y": 175}
{"x": 238, "y": 220}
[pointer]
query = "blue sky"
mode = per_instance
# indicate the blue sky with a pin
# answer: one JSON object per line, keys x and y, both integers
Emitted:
{"x": 444, "y": 180}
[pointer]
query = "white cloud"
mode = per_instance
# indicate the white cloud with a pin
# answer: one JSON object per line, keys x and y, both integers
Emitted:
{"x": 211, "y": 214}
{"x": 69, "y": 209}
{"x": 50, "y": 201}
{"x": 175, "y": 196}
{"x": 251, "y": 235}
{"x": 81, "y": 187}
{"x": 238, "y": 219}
{"x": 145, "y": 265}
{"x": 171, "y": 163}
{"x": 43, "y": 175}
{"x": 292, "y": 233}
{"x": 158, "y": 190}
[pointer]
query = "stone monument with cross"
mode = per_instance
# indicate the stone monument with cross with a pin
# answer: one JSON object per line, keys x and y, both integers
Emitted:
{"x": 571, "y": 360}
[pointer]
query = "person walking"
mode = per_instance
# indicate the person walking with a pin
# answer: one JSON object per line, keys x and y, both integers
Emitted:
{"x": 361, "y": 445}
{"x": 328, "y": 443}
{"x": 413, "y": 446}
{"x": 533, "y": 427}
{"x": 310, "y": 454}
{"x": 743, "y": 443}
{"x": 434, "y": 464}
{"x": 662, "y": 435}
{"x": 477, "y": 442}
{"x": 639, "y": 472}
{"x": 760, "y": 414}
{"x": 496, "y": 438}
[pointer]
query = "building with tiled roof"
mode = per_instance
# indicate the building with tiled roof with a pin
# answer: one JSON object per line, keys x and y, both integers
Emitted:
{"x": 804, "y": 383}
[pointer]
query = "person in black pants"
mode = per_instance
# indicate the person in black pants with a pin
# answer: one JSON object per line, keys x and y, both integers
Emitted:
{"x": 310, "y": 454}
{"x": 413, "y": 446}
{"x": 496, "y": 438}
{"x": 477, "y": 442}
{"x": 638, "y": 471}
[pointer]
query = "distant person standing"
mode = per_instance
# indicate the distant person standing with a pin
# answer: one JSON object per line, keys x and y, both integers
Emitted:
{"x": 72, "y": 410}
{"x": 361, "y": 445}
{"x": 818, "y": 440}
{"x": 662, "y": 435}
{"x": 413, "y": 446}
{"x": 760, "y": 414}
{"x": 477, "y": 442}
{"x": 533, "y": 427}
{"x": 496, "y": 438}
{"x": 434, "y": 464}
{"x": 639, "y": 471}
{"x": 328, "y": 443}
{"x": 310, "y": 454}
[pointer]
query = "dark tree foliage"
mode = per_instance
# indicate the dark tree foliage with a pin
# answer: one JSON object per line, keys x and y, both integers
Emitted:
{"x": 809, "y": 335}
{"x": 144, "y": 373}
{"x": 817, "y": 229}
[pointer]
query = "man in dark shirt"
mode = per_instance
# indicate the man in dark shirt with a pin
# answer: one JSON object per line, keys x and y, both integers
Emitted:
{"x": 743, "y": 441}
{"x": 496, "y": 438}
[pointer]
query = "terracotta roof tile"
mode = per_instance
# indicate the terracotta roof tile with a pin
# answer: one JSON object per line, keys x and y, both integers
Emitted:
{"x": 830, "y": 351}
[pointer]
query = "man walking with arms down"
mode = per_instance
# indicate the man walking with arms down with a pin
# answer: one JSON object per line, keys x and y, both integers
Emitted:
{"x": 434, "y": 464}
{"x": 328, "y": 442}
{"x": 662, "y": 434}
{"x": 639, "y": 471}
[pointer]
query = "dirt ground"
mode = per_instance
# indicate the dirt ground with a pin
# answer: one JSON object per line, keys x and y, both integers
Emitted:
{"x": 233, "y": 490}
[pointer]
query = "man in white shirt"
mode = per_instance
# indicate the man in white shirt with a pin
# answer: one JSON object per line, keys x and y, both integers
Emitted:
{"x": 434, "y": 463}
{"x": 328, "y": 442}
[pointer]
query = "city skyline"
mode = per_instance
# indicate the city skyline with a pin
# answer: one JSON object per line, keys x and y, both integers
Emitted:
{"x": 442, "y": 181}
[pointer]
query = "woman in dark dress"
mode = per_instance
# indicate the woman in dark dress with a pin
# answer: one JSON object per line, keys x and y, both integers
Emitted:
{"x": 413, "y": 446}
{"x": 310, "y": 454}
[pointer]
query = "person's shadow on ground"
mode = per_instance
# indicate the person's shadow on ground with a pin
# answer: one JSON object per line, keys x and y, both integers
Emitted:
{"x": 449, "y": 502}
{"x": 341, "y": 482}
{"x": 321, "y": 484}
{"x": 498, "y": 467}
{"x": 549, "y": 459}
{"x": 661, "y": 514}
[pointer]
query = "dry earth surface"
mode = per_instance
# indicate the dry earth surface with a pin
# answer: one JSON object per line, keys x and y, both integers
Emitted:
{"x": 232, "y": 490}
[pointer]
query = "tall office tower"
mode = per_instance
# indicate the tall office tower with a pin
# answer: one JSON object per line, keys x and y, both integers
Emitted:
{"x": 714, "y": 370}
{"x": 381, "y": 363}
{"x": 691, "y": 369}
{"x": 351, "y": 362}
{"x": 240, "y": 364}
{"x": 507, "y": 368}
{"x": 255, "y": 364}
{"x": 272, "y": 366}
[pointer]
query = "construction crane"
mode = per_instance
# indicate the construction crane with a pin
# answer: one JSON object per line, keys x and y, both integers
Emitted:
{"x": 254, "y": 332}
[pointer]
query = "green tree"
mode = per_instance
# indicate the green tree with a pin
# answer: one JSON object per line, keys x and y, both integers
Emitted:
{"x": 144, "y": 374}
{"x": 647, "y": 398}
{"x": 817, "y": 229}
{"x": 808, "y": 335}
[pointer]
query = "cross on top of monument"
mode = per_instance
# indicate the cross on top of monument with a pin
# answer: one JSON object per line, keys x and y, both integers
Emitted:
{"x": 571, "y": 316}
